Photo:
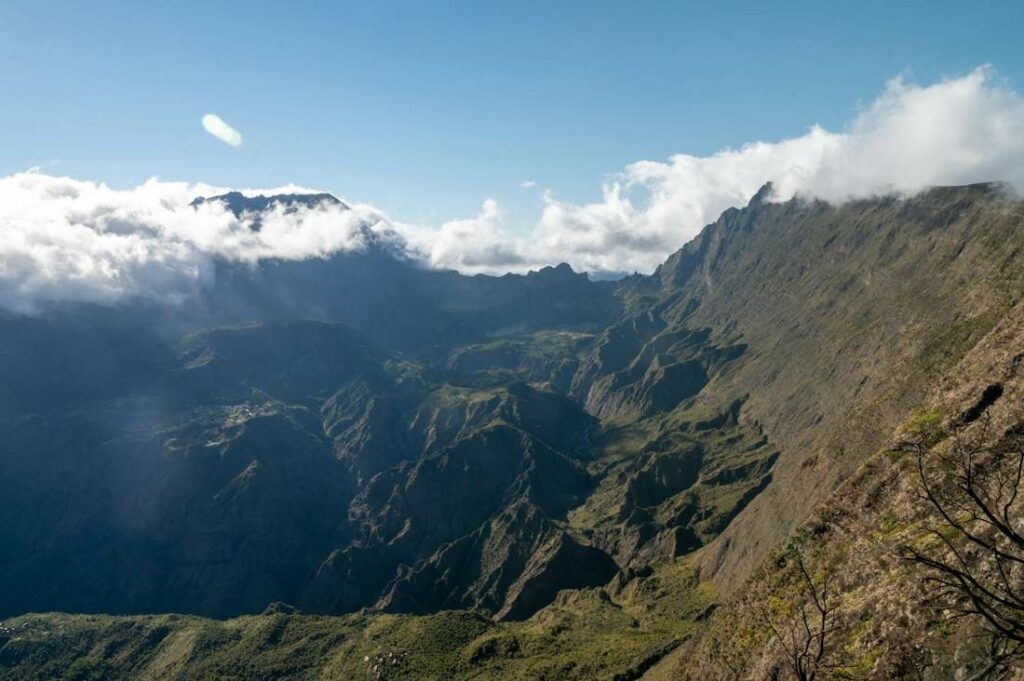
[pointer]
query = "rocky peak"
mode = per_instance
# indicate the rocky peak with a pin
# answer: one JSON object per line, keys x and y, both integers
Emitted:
{"x": 561, "y": 272}
{"x": 238, "y": 203}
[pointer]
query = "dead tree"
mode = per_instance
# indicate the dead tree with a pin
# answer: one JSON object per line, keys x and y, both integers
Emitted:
{"x": 976, "y": 559}
{"x": 805, "y": 638}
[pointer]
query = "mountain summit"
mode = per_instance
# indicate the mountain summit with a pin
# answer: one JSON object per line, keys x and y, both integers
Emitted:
{"x": 239, "y": 203}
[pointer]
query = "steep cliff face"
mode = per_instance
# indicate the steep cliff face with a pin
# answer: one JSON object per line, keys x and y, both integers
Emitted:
{"x": 847, "y": 314}
{"x": 889, "y": 620}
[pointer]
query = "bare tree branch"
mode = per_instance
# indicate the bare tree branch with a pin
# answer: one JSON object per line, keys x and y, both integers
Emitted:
{"x": 805, "y": 639}
{"x": 977, "y": 565}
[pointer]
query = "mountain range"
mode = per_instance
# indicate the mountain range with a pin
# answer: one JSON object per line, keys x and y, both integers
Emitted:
{"x": 360, "y": 467}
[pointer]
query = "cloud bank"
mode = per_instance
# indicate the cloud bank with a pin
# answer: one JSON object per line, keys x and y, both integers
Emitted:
{"x": 216, "y": 126}
{"x": 957, "y": 131}
{"x": 66, "y": 240}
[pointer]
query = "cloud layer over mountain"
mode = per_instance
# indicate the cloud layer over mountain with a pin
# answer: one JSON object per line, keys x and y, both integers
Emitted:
{"x": 67, "y": 240}
{"x": 958, "y": 131}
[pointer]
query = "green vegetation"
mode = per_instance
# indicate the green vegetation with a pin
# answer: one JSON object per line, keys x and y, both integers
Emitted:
{"x": 583, "y": 635}
{"x": 925, "y": 426}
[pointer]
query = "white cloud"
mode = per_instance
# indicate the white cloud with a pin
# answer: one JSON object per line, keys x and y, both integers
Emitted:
{"x": 527, "y": 184}
{"x": 69, "y": 240}
{"x": 64, "y": 239}
{"x": 216, "y": 126}
{"x": 956, "y": 131}
{"x": 471, "y": 245}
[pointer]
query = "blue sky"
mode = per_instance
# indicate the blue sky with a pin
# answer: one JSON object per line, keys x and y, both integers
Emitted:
{"x": 425, "y": 109}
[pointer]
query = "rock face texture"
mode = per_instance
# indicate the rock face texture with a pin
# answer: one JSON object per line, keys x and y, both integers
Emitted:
{"x": 361, "y": 433}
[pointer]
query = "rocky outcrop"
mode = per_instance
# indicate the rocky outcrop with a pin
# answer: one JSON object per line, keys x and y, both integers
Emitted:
{"x": 561, "y": 563}
{"x": 642, "y": 368}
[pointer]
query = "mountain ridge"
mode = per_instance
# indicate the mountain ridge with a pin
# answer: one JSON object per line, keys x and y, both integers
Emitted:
{"x": 238, "y": 203}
